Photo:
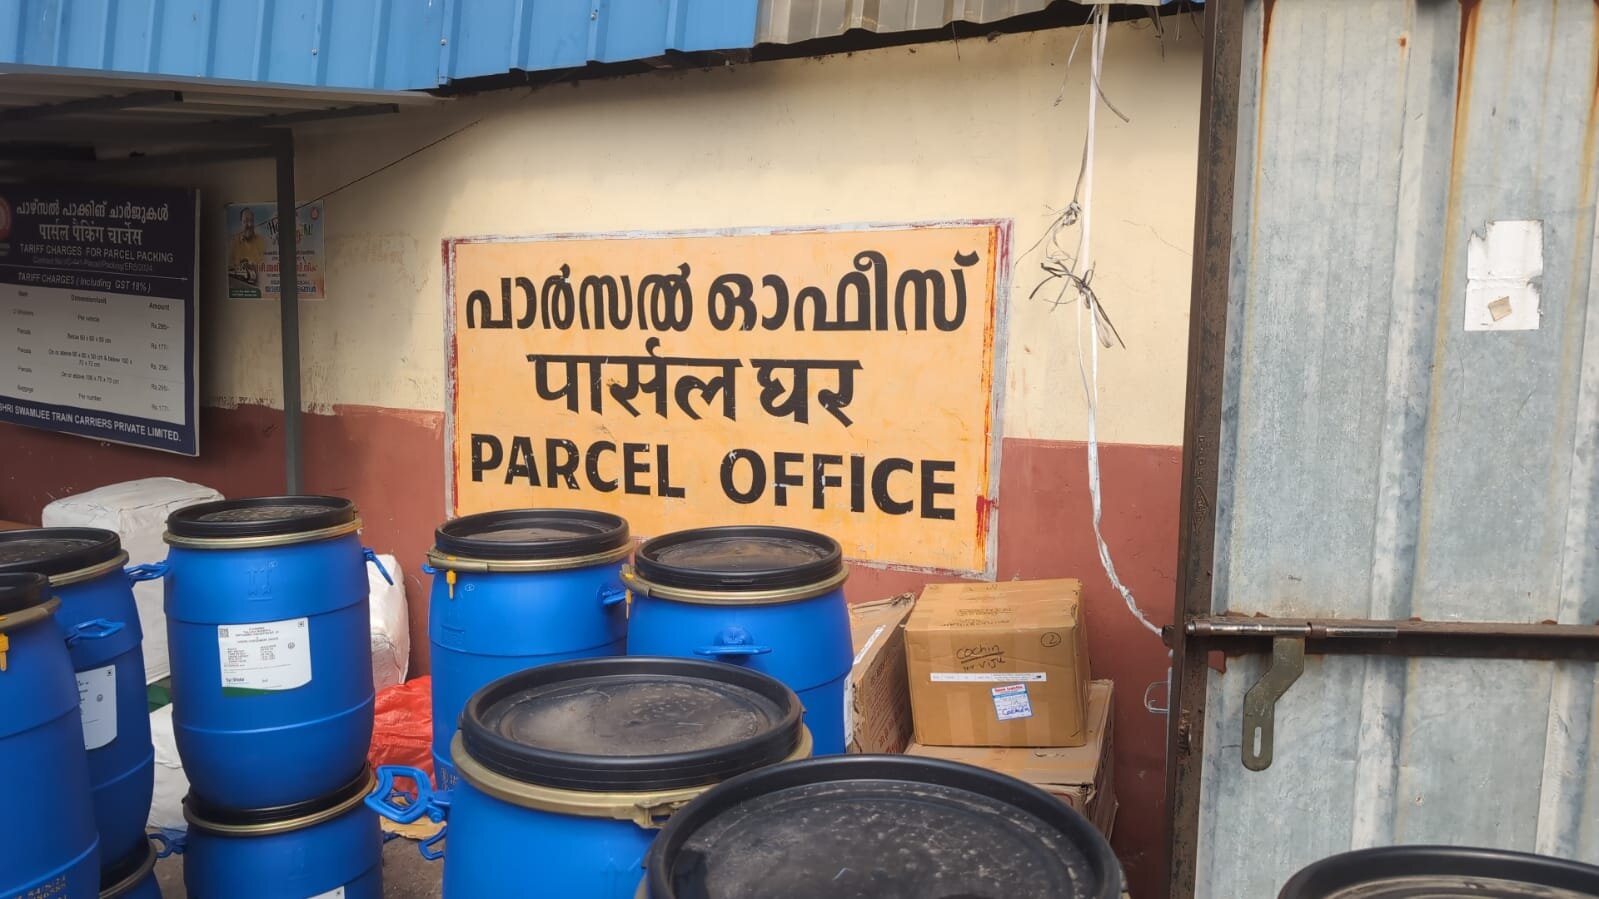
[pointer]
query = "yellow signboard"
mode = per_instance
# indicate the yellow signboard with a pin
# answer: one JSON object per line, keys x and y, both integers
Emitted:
{"x": 842, "y": 381}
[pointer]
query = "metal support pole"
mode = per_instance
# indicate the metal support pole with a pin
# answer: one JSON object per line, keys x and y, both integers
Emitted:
{"x": 289, "y": 307}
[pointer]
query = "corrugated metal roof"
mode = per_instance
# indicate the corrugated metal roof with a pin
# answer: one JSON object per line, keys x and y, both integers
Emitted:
{"x": 151, "y": 100}
{"x": 380, "y": 44}
{"x": 490, "y": 37}
{"x": 1388, "y": 452}
{"x": 793, "y": 21}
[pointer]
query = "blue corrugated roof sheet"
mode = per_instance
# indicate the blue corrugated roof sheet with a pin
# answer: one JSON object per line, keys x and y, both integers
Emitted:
{"x": 387, "y": 44}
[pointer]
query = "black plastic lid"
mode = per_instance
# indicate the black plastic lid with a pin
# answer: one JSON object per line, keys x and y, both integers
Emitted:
{"x": 1439, "y": 872}
{"x": 231, "y": 817}
{"x": 739, "y": 558}
{"x": 879, "y": 827}
{"x": 631, "y": 724}
{"x": 22, "y": 590}
{"x": 260, "y": 516}
{"x": 525, "y": 534}
{"x": 52, "y": 551}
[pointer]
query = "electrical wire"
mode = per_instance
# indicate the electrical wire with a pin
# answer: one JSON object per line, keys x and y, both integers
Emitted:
{"x": 1075, "y": 271}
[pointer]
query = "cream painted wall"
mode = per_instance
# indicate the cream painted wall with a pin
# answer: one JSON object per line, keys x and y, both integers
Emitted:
{"x": 905, "y": 134}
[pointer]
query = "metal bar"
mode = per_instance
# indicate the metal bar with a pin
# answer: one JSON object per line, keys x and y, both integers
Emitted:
{"x": 187, "y": 157}
{"x": 1446, "y": 639}
{"x": 308, "y": 115}
{"x": 127, "y": 135}
{"x": 241, "y": 129}
{"x": 90, "y": 104}
{"x": 289, "y": 308}
{"x": 46, "y": 152}
{"x": 1207, "y": 347}
{"x": 1275, "y": 627}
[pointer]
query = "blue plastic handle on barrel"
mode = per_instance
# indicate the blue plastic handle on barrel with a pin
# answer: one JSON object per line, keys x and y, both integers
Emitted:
{"x": 93, "y": 629}
{"x": 433, "y": 804}
{"x": 169, "y": 842}
{"x": 371, "y": 556}
{"x": 727, "y": 651}
{"x": 610, "y": 596}
{"x": 150, "y": 572}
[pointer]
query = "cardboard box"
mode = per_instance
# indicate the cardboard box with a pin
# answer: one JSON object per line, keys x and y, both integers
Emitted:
{"x": 1001, "y": 664}
{"x": 877, "y": 703}
{"x": 1081, "y": 776}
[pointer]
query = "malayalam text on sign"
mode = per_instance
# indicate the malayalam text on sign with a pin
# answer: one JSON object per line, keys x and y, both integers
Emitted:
{"x": 98, "y": 312}
{"x": 842, "y": 381}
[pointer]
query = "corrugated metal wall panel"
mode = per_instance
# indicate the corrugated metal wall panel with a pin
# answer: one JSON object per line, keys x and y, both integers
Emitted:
{"x": 1378, "y": 460}
{"x": 388, "y": 44}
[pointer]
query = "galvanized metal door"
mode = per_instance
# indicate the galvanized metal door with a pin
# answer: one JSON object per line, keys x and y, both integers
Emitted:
{"x": 1394, "y": 415}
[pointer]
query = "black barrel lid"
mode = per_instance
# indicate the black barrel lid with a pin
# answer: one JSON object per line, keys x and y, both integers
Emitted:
{"x": 53, "y": 551}
{"x": 739, "y": 558}
{"x": 1442, "y": 872}
{"x": 260, "y": 516}
{"x": 22, "y": 590}
{"x": 879, "y": 827}
{"x": 205, "y": 812}
{"x": 527, "y": 534}
{"x": 631, "y": 724}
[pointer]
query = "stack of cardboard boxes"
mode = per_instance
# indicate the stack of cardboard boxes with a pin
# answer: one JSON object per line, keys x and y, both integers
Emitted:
{"x": 994, "y": 675}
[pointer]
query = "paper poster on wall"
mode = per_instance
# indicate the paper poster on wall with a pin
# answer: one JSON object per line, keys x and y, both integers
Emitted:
{"x": 98, "y": 313}
{"x": 252, "y": 242}
{"x": 839, "y": 380}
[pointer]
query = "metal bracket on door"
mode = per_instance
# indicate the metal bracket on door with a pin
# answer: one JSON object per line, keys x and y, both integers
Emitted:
{"x": 1260, "y": 703}
{"x": 1287, "y": 664}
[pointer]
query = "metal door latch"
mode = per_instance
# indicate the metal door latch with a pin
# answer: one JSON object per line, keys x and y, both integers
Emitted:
{"x": 1260, "y": 703}
{"x": 1287, "y": 664}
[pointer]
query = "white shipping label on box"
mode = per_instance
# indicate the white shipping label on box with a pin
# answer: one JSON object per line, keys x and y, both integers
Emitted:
{"x": 995, "y": 677}
{"x": 268, "y": 656}
{"x": 97, "y": 703}
{"x": 1012, "y": 702}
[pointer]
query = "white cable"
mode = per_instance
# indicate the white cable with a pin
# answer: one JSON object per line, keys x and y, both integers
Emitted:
{"x": 1084, "y": 263}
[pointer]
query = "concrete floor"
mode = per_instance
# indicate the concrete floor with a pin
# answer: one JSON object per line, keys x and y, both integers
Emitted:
{"x": 406, "y": 874}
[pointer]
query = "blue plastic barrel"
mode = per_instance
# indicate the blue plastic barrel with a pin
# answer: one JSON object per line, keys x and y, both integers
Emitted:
{"x": 767, "y": 598}
{"x": 567, "y": 770}
{"x": 516, "y": 589}
{"x": 97, "y": 613}
{"x": 329, "y": 847}
{"x": 133, "y": 877}
{"x": 889, "y": 826}
{"x": 50, "y": 847}
{"x": 270, "y": 638}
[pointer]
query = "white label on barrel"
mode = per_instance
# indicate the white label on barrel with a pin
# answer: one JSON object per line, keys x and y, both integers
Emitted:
{"x": 335, "y": 893}
{"x": 268, "y": 656}
{"x": 97, "y": 703}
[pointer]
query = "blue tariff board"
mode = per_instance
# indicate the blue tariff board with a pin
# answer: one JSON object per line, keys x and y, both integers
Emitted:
{"x": 98, "y": 313}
